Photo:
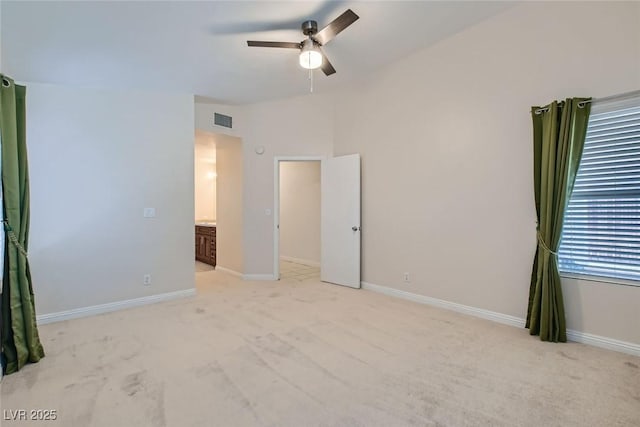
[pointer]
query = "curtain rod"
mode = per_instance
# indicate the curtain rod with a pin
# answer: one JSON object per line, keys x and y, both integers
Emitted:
{"x": 581, "y": 104}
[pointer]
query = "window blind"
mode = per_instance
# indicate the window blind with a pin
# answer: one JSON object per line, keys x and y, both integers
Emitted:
{"x": 601, "y": 233}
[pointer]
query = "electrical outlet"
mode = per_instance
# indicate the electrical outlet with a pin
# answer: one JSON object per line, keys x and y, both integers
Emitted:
{"x": 149, "y": 212}
{"x": 146, "y": 279}
{"x": 405, "y": 277}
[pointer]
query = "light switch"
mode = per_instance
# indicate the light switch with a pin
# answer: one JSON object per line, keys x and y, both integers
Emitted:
{"x": 149, "y": 212}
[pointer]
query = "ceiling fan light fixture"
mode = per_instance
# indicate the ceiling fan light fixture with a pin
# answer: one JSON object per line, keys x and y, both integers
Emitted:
{"x": 310, "y": 56}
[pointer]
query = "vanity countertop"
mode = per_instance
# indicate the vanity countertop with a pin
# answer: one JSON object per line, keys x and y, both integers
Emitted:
{"x": 206, "y": 223}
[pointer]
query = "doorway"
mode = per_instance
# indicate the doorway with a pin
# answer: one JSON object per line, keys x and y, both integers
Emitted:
{"x": 297, "y": 218}
{"x": 205, "y": 208}
{"x": 218, "y": 171}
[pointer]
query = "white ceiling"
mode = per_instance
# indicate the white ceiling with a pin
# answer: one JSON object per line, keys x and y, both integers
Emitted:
{"x": 200, "y": 47}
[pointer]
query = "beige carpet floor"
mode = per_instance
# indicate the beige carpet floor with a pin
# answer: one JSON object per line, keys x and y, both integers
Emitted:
{"x": 313, "y": 354}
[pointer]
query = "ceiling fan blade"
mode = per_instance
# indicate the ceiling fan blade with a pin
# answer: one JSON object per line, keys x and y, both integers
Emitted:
{"x": 326, "y": 34}
{"x": 326, "y": 67}
{"x": 253, "y": 27}
{"x": 321, "y": 13}
{"x": 286, "y": 45}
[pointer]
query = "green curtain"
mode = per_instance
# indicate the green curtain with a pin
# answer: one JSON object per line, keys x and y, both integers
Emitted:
{"x": 559, "y": 131}
{"x": 20, "y": 340}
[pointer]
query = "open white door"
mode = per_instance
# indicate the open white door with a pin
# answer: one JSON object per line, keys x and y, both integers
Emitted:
{"x": 340, "y": 221}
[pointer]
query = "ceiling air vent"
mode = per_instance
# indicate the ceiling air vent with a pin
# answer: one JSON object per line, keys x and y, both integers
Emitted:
{"x": 222, "y": 120}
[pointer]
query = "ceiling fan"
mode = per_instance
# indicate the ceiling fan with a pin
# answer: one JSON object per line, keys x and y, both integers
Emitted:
{"x": 311, "y": 55}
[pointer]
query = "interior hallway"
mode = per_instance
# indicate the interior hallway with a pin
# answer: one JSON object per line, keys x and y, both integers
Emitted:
{"x": 289, "y": 353}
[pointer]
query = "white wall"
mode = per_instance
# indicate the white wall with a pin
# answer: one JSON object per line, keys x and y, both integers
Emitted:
{"x": 301, "y": 126}
{"x": 229, "y": 227}
{"x": 205, "y": 176}
{"x": 300, "y": 211}
{"x": 445, "y": 138}
{"x": 97, "y": 158}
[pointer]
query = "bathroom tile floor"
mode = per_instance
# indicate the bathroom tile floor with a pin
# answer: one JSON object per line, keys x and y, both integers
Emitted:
{"x": 290, "y": 270}
{"x": 202, "y": 267}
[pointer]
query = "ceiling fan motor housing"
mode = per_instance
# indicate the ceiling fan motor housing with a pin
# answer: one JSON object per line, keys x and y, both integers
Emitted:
{"x": 309, "y": 28}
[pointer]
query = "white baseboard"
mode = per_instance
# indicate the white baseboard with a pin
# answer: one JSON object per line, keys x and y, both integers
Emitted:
{"x": 258, "y": 277}
{"x": 604, "y": 342}
{"x": 300, "y": 261}
{"x": 460, "y": 308}
{"x": 228, "y": 271}
{"x": 112, "y": 306}
{"x": 576, "y": 336}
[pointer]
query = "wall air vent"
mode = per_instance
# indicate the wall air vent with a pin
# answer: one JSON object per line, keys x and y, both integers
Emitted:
{"x": 222, "y": 120}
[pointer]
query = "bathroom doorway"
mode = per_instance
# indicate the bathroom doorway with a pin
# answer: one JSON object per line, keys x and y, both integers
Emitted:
{"x": 218, "y": 172}
{"x": 298, "y": 219}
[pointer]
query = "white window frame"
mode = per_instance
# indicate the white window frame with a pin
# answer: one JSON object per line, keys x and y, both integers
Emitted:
{"x": 602, "y": 105}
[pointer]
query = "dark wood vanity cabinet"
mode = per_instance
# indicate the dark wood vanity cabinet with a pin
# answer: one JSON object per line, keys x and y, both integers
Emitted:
{"x": 206, "y": 244}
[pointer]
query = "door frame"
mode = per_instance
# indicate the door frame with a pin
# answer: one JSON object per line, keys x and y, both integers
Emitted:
{"x": 276, "y": 202}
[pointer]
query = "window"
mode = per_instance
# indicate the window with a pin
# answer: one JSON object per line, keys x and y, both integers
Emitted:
{"x": 601, "y": 234}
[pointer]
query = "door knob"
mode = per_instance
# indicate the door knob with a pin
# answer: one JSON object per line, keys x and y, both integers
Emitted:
{"x": 355, "y": 228}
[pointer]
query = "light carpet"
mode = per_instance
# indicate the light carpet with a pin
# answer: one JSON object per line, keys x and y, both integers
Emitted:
{"x": 293, "y": 353}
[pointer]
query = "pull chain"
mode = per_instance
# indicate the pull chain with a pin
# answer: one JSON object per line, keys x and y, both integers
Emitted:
{"x": 310, "y": 80}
